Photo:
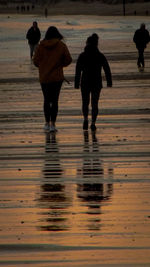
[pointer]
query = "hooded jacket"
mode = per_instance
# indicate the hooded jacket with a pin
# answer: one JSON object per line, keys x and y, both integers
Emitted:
{"x": 50, "y": 57}
{"x": 141, "y": 38}
{"x": 89, "y": 66}
{"x": 33, "y": 35}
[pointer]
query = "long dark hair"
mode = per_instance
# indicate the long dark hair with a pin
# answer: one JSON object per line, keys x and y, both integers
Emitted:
{"x": 53, "y": 32}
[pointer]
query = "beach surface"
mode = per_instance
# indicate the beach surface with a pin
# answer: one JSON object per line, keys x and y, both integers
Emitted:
{"x": 68, "y": 7}
{"x": 74, "y": 198}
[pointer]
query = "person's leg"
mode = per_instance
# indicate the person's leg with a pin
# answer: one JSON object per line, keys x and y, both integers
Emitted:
{"x": 46, "y": 105}
{"x": 34, "y": 48}
{"x": 31, "y": 50}
{"x": 95, "y": 94}
{"x": 138, "y": 60}
{"x": 85, "y": 92}
{"x": 55, "y": 88}
{"x": 141, "y": 57}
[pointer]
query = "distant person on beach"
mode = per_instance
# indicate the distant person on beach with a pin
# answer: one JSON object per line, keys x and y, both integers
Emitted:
{"x": 46, "y": 12}
{"x": 50, "y": 57}
{"x": 141, "y": 38}
{"x": 88, "y": 70}
{"x": 33, "y": 35}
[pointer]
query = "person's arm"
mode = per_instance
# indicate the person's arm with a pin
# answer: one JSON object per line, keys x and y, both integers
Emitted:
{"x": 147, "y": 37}
{"x": 27, "y": 35}
{"x": 136, "y": 36}
{"x": 107, "y": 72}
{"x": 67, "y": 59}
{"x": 78, "y": 72}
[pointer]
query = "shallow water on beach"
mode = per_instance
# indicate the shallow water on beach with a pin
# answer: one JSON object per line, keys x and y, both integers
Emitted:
{"x": 74, "y": 198}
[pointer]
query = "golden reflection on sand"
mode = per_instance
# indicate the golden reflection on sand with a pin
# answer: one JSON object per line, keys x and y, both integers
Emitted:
{"x": 74, "y": 198}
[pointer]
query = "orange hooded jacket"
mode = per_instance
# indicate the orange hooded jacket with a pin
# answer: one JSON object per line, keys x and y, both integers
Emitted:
{"x": 50, "y": 57}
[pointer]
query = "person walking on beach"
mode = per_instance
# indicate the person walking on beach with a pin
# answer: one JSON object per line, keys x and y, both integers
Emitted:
{"x": 141, "y": 38}
{"x": 50, "y": 57}
{"x": 88, "y": 69}
{"x": 33, "y": 35}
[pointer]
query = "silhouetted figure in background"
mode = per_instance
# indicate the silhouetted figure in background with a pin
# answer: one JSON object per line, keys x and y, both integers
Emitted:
{"x": 88, "y": 70}
{"x": 17, "y": 8}
{"x": 46, "y": 12}
{"x": 141, "y": 38}
{"x": 33, "y": 35}
{"x": 50, "y": 57}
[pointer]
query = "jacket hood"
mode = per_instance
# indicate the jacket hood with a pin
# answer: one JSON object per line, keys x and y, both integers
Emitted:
{"x": 49, "y": 44}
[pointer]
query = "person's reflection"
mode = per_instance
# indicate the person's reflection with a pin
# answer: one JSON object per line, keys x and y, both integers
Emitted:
{"x": 93, "y": 192}
{"x": 53, "y": 197}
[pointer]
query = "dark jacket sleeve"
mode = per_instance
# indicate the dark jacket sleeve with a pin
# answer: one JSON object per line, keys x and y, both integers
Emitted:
{"x": 135, "y": 37}
{"x": 67, "y": 59}
{"x": 147, "y": 37}
{"x": 28, "y": 34}
{"x": 78, "y": 71}
{"x": 107, "y": 71}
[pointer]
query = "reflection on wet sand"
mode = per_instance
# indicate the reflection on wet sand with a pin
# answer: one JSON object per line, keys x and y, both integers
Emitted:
{"x": 53, "y": 196}
{"x": 93, "y": 193}
{"x": 58, "y": 204}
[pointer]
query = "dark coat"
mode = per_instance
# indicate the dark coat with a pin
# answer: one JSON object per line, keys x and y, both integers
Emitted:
{"x": 33, "y": 36}
{"x": 89, "y": 66}
{"x": 141, "y": 38}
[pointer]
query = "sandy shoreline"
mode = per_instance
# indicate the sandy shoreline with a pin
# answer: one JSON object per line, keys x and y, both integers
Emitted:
{"x": 74, "y": 198}
{"x": 81, "y": 8}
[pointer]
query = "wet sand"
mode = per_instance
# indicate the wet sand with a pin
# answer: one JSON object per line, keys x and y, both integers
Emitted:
{"x": 75, "y": 198}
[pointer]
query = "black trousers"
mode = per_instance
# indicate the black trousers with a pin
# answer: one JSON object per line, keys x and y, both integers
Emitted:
{"x": 32, "y": 49}
{"x": 92, "y": 94}
{"x": 51, "y": 93}
{"x": 140, "y": 61}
